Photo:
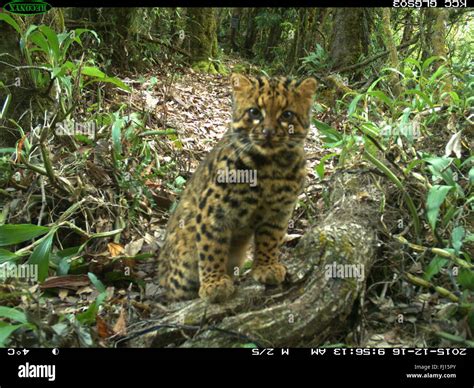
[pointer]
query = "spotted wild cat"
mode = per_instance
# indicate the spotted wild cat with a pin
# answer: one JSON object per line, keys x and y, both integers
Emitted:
{"x": 246, "y": 188}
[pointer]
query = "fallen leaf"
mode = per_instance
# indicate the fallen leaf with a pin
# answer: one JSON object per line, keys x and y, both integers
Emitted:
{"x": 132, "y": 248}
{"x": 120, "y": 326}
{"x": 67, "y": 281}
{"x": 103, "y": 329}
{"x": 115, "y": 249}
{"x": 454, "y": 145}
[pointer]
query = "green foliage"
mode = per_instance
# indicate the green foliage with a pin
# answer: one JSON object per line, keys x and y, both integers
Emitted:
{"x": 42, "y": 254}
{"x": 14, "y": 315}
{"x": 432, "y": 98}
{"x": 51, "y": 68}
{"x": 316, "y": 62}
{"x": 88, "y": 317}
{"x": 14, "y": 234}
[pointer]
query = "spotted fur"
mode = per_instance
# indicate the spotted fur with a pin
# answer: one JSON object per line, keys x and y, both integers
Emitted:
{"x": 208, "y": 234}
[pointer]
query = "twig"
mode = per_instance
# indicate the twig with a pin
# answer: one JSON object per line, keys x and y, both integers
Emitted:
{"x": 436, "y": 251}
{"x": 43, "y": 200}
{"x": 426, "y": 284}
{"x": 373, "y": 58}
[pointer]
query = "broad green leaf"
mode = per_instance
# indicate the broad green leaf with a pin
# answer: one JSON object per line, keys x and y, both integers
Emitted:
{"x": 40, "y": 40}
{"x": 320, "y": 168}
{"x": 96, "y": 282}
{"x": 413, "y": 62}
{"x": 430, "y": 60}
{"x": 454, "y": 97}
{"x": 7, "y": 150}
{"x": 466, "y": 278}
{"x": 24, "y": 38}
{"x": 89, "y": 316}
{"x": 112, "y": 80}
{"x": 374, "y": 84}
{"x": 434, "y": 267}
{"x": 92, "y": 72}
{"x": 353, "y": 105}
{"x": 471, "y": 175}
{"x": 65, "y": 40}
{"x": 53, "y": 42}
{"x": 117, "y": 136}
{"x": 7, "y": 330}
{"x": 7, "y": 256}
{"x": 16, "y": 233}
{"x": 117, "y": 82}
{"x": 42, "y": 254}
{"x": 8, "y": 19}
{"x": 436, "y": 197}
{"x": 439, "y": 73}
{"x": 457, "y": 237}
{"x": 439, "y": 168}
{"x": 13, "y": 314}
{"x": 381, "y": 96}
{"x": 330, "y": 135}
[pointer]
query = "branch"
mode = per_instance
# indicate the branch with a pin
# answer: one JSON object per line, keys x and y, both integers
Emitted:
{"x": 374, "y": 58}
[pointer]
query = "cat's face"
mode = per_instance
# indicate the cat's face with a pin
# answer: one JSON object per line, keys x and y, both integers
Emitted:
{"x": 272, "y": 113}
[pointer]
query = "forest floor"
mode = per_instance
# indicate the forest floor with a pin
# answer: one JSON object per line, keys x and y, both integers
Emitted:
{"x": 195, "y": 110}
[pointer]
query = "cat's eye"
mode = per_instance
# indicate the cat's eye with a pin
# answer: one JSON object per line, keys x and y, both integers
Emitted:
{"x": 287, "y": 115}
{"x": 255, "y": 114}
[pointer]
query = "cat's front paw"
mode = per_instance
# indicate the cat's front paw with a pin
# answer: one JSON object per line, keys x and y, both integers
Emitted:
{"x": 271, "y": 274}
{"x": 216, "y": 289}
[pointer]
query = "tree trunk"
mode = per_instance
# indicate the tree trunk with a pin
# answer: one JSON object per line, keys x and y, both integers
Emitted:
{"x": 297, "y": 45}
{"x": 315, "y": 302}
{"x": 347, "y": 37}
{"x": 408, "y": 28}
{"x": 392, "y": 49}
{"x": 16, "y": 87}
{"x": 309, "y": 41}
{"x": 273, "y": 39}
{"x": 202, "y": 34}
{"x": 251, "y": 34}
{"x": 234, "y": 28}
{"x": 438, "y": 37}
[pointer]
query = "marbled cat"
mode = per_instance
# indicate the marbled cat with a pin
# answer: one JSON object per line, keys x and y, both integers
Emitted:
{"x": 246, "y": 188}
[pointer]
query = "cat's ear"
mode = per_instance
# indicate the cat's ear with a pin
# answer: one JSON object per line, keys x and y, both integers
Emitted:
{"x": 307, "y": 88}
{"x": 240, "y": 82}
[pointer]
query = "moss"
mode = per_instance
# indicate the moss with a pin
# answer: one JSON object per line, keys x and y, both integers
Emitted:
{"x": 210, "y": 67}
{"x": 202, "y": 30}
{"x": 204, "y": 66}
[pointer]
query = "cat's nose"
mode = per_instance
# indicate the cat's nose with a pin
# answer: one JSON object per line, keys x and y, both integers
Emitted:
{"x": 268, "y": 132}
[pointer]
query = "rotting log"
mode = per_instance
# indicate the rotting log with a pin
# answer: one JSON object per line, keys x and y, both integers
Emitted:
{"x": 305, "y": 311}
